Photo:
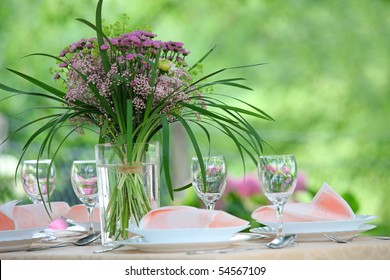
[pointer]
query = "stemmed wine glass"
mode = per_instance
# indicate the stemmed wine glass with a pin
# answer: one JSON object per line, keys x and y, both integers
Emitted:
{"x": 38, "y": 180}
{"x": 278, "y": 178}
{"x": 216, "y": 176}
{"x": 84, "y": 183}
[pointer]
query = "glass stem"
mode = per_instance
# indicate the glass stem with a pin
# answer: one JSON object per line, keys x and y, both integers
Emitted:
{"x": 210, "y": 206}
{"x": 90, "y": 219}
{"x": 279, "y": 216}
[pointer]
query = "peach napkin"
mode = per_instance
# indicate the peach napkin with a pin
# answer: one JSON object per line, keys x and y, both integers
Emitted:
{"x": 327, "y": 205}
{"x": 14, "y": 217}
{"x": 175, "y": 217}
{"x": 79, "y": 213}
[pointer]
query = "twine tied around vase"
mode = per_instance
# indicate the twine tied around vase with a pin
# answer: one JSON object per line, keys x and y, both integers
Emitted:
{"x": 136, "y": 168}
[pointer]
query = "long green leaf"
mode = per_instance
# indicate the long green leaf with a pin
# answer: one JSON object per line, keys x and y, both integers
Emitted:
{"x": 46, "y": 87}
{"x": 241, "y": 101}
{"x": 202, "y": 59}
{"x": 129, "y": 130}
{"x": 237, "y": 109}
{"x": 224, "y": 69}
{"x": 26, "y": 125}
{"x": 204, "y": 112}
{"x": 9, "y": 89}
{"x": 165, "y": 153}
{"x": 183, "y": 188}
{"x": 195, "y": 145}
{"x": 99, "y": 32}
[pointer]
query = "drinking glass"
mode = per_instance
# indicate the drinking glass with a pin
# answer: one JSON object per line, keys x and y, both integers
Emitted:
{"x": 278, "y": 178}
{"x": 38, "y": 180}
{"x": 84, "y": 183}
{"x": 216, "y": 175}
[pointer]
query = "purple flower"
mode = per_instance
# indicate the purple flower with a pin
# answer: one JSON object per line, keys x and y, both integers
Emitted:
{"x": 245, "y": 187}
{"x": 105, "y": 47}
{"x": 63, "y": 53}
{"x": 63, "y": 64}
{"x": 285, "y": 169}
{"x": 130, "y": 56}
{"x": 56, "y": 76}
{"x": 270, "y": 168}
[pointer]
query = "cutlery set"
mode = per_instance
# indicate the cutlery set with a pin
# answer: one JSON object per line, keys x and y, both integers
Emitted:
{"x": 287, "y": 241}
{"x": 350, "y": 239}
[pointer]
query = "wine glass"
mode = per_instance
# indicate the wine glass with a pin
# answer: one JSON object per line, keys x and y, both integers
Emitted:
{"x": 278, "y": 178}
{"x": 38, "y": 179}
{"x": 216, "y": 175}
{"x": 84, "y": 183}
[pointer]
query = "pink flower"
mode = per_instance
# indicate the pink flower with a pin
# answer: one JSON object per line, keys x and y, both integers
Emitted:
{"x": 271, "y": 168}
{"x": 301, "y": 181}
{"x": 285, "y": 169}
{"x": 105, "y": 47}
{"x": 245, "y": 187}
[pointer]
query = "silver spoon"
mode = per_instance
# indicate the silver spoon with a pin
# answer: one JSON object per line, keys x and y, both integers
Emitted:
{"x": 281, "y": 242}
{"x": 81, "y": 242}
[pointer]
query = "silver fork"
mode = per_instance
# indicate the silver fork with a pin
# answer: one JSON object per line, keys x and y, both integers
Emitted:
{"x": 350, "y": 239}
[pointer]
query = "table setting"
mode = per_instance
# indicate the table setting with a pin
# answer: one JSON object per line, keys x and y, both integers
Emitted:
{"x": 194, "y": 232}
{"x": 129, "y": 87}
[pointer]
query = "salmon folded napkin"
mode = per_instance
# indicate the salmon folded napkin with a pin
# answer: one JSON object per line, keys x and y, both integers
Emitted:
{"x": 186, "y": 217}
{"x": 79, "y": 213}
{"x": 327, "y": 205}
{"x": 15, "y": 217}
{"x": 185, "y": 224}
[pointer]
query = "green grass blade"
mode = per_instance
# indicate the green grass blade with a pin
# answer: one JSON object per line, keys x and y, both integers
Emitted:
{"x": 129, "y": 130}
{"x": 99, "y": 32}
{"x": 202, "y": 59}
{"x": 9, "y": 89}
{"x": 183, "y": 188}
{"x": 195, "y": 145}
{"x": 165, "y": 153}
{"x": 40, "y": 84}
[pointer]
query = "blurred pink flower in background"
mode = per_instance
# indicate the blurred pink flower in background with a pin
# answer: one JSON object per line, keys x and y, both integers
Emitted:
{"x": 301, "y": 181}
{"x": 249, "y": 185}
{"x": 244, "y": 186}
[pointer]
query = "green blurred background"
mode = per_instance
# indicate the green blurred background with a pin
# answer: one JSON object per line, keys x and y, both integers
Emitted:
{"x": 326, "y": 83}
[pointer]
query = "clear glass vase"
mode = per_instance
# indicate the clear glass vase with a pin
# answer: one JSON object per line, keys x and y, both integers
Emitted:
{"x": 128, "y": 186}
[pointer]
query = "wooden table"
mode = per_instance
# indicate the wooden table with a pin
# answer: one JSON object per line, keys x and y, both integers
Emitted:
{"x": 362, "y": 248}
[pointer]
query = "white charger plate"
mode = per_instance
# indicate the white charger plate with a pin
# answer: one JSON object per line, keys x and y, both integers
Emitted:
{"x": 315, "y": 236}
{"x": 323, "y": 226}
{"x": 143, "y": 245}
{"x": 19, "y": 234}
{"x": 189, "y": 235}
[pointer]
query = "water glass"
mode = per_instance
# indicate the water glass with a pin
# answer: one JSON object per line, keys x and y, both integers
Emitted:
{"x": 38, "y": 179}
{"x": 278, "y": 178}
{"x": 212, "y": 189}
{"x": 84, "y": 183}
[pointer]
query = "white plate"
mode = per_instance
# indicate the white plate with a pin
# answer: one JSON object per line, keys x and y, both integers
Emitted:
{"x": 82, "y": 226}
{"x": 19, "y": 234}
{"x": 19, "y": 244}
{"x": 145, "y": 246}
{"x": 315, "y": 236}
{"x": 322, "y": 226}
{"x": 189, "y": 234}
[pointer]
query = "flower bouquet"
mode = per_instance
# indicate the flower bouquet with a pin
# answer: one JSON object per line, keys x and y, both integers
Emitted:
{"x": 131, "y": 87}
